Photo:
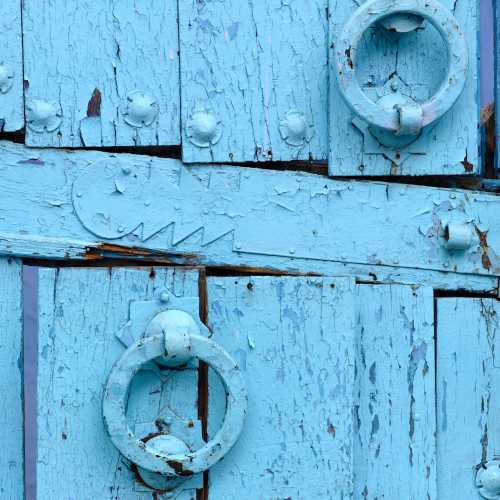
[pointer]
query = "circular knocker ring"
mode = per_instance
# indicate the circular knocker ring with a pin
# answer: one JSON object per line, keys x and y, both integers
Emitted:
{"x": 173, "y": 344}
{"x": 410, "y": 118}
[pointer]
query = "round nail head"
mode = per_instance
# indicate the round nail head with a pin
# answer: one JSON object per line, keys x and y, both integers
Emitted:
{"x": 141, "y": 110}
{"x": 203, "y": 129}
{"x": 43, "y": 116}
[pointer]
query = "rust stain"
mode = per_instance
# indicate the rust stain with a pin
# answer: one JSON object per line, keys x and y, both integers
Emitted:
{"x": 103, "y": 250}
{"x": 94, "y": 105}
{"x": 331, "y": 430}
{"x": 483, "y": 243}
{"x": 468, "y": 166}
{"x": 179, "y": 470}
{"x": 349, "y": 60}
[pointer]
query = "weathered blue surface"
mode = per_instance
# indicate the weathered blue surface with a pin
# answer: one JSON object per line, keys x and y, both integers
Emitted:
{"x": 80, "y": 312}
{"x": 11, "y": 388}
{"x": 11, "y": 67}
{"x": 395, "y": 416}
{"x": 468, "y": 393}
{"x": 413, "y": 65}
{"x": 110, "y": 71}
{"x": 294, "y": 340}
{"x": 260, "y": 69}
{"x": 234, "y": 216}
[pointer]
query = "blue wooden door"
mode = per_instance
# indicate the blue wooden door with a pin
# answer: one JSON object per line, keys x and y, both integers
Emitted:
{"x": 223, "y": 308}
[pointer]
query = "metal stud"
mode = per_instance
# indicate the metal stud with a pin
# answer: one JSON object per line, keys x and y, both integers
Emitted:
{"x": 6, "y": 78}
{"x": 163, "y": 444}
{"x": 141, "y": 110}
{"x": 488, "y": 480}
{"x": 294, "y": 129}
{"x": 43, "y": 116}
{"x": 204, "y": 129}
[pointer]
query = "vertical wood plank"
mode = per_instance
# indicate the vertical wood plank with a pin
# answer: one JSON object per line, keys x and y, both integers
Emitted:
{"x": 415, "y": 65}
{"x": 11, "y": 67}
{"x": 260, "y": 69}
{"x": 86, "y": 60}
{"x": 11, "y": 388}
{"x": 394, "y": 444}
{"x": 468, "y": 389}
{"x": 293, "y": 340}
{"x": 80, "y": 312}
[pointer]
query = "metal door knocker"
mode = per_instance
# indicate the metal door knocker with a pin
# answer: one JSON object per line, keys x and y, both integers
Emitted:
{"x": 173, "y": 338}
{"x": 398, "y": 120}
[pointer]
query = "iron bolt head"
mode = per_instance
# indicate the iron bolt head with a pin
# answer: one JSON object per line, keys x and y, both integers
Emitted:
{"x": 6, "y": 78}
{"x": 294, "y": 129}
{"x": 167, "y": 445}
{"x": 488, "y": 480}
{"x": 141, "y": 110}
{"x": 43, "y": 116}
{"x": 204, "y": 129}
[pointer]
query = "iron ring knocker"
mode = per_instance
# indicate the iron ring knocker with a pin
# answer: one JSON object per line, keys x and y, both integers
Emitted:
{"x": 407, "y": 119}
{"x": 171, "y": 338}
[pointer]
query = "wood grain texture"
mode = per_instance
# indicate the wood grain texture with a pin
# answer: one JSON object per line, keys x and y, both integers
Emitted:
{"x": 468, "y": 392}
{"x": 11, "y": 387}
{"x": 11, "y": 67}
{"x": 87, "y": 57}
{"x": 415, "y": 65}
{"x": 251, "y": 63}
{"x": 235, "y": 216}
{"x": 395, "y": 419}
{"x": 80, "y": 311}
{"x": 294, "y": 340}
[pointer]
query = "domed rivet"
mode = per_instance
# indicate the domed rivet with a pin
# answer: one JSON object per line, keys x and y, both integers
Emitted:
{"x": 488, "y": 480}
{"x": 6, "y": 78}
{"x": 204, "y": 129}
{"x": 164, "y": 297}
{"x": 43, "y": 116}
{"x": 294, "y": 129}
{"x": 141, "y": 110}
{"x": 126, "y": 170}
{"x": 167, "y": 445}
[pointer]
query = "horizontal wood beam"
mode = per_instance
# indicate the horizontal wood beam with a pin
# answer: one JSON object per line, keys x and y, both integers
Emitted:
{"x": 91, "y": 205}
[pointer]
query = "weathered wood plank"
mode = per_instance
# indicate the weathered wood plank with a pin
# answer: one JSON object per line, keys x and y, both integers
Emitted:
{"x": 87, "y": 59}
{"x": 11, "y": 386}
{"x": 80, "y": 313}
{"x": 260, "y": 69}
{"x": 293, "y": 338}
{"x": 468, "y": 392}
{"x": 11, "y": 67}
{"x": 395, "y": 419}
{"x": 235, "y": 216}
{"x": 413, "y": 64}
